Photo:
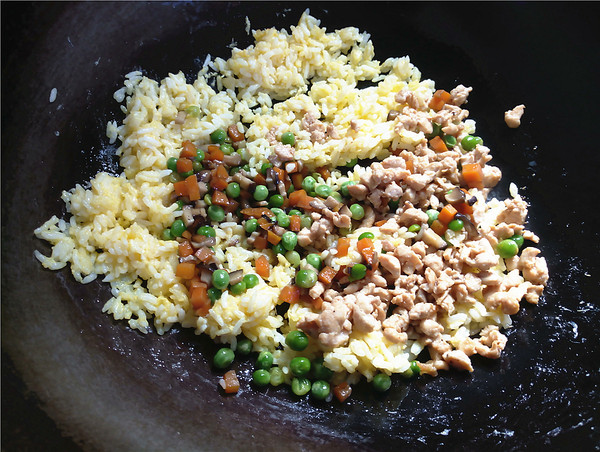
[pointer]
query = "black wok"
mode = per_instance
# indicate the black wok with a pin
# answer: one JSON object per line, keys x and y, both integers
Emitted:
{"x": 73, "y": 378}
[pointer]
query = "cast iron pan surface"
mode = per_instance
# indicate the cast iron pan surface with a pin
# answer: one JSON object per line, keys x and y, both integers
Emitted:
{"x": 75, "y": 379}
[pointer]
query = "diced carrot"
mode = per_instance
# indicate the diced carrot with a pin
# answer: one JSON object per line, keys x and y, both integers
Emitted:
{"x": 366, "y": 249}
{"x": 342, "y": 391}
{"x": 301, "y": 199}
{"x": 257, "y": 212}
{"x": 205, "y": 254}
{"x": 410, "y": 166}
{"x": 262, "y": 267}
{"x": 324, "y": 172}
{"x": 290, "y": 294}
{"x": 195, "y": 282}
{"x": 439, "y": 99}
{"x": 280, "y": 173}
{"x": 218, "y": 183}
{"x": 447, "y": 214}
{"x": 186, "y": 234}
{"x": 231, "y": 206}
{"x": 184, "y": 165}
{"x": 341, "y": 272}
{"x": 464, "y": 208}
{"x": 438, "y": 145}
{"x": 380, "y": 222}
{"x": 342, "y": 247}
{"x": 214, "y": 153}
{"x": 199, "y": 298}
{"x": 219, "y": 198}
{"x": 439, "y": 228}
{"x": 185, "y": 270}
{"x": 229, "y": 382}
{"x": 192, "y": 187}
{"x": 317, "y": 303}
{"x": 221, "y": 172}
{"x": 295, "y": 223}
{"x": 260, "y": 179}
{"x": 234, "y": 133}
{"x": 473, "y": 175}
{"x": 273, "y": 238}
{"x": 185, "y": 249}
{"x": 297, "y": 179}
{"x": 260, "y": 243}
{"x": 264, "y": 223}
{"x": 180, "y": 188}
{"x": 327, "y": 274}
{"x": 188, "y": 150}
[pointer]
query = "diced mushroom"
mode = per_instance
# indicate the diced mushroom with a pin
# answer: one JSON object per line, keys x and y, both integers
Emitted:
{"x": 432, "y": 239}
{"x": 235, "y": 277}
{"x": 180, "y": 118}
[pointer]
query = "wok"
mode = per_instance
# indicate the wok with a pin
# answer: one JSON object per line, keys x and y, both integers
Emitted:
{"x": 75, "y": 379}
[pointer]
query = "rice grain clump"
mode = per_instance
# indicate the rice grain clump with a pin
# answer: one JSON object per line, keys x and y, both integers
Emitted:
{"x": 247, "y": 208}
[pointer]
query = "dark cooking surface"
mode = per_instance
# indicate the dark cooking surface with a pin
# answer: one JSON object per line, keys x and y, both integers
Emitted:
{"x": 110, "y": 387}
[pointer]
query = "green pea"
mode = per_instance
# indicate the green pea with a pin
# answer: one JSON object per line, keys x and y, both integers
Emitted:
{"x": 214, "y": 294}
{"x": 414, "y": 228}
{"x": 507, "y": 248}
{"x": 518, "y": 239}
{"x": 166, "y": 234}
{"x": 319, "y": 371}
{"x": 283, "y": 220}
{"x": 358, "y": 271}
{"x": 456, "y": 225}
{"x": 227, "y": 149}
{"x": 344, "y": 188}
{"x": 306, "y": 222}
{"x": 199, "y": 155}
{"x": 278, "y": 249}
{"x": 172, "y": 164}
{"x": 187, "y": 173}
{"x": 357, "y": 211}
{"x": 216, "y": 213}
{"x": 261, "y": 377}
{"x": 300, "y": 366}
{"x": 180, "y": 204}
{"x": 296, "y": 340}
{"x": 449, "y": 141}
{"x": 207, "y": 199}
{"x": 218, "y": 136}
{"x": 314, "y": 260}
{"x": 220, "y": 279}
{"x": 223, "y": 358}
{"x": 276, "y": 201}
{"x": 293, "y": 257}
{"x": 309, "y": 183}
{"x": 432, "y": 215}
{"x": 337, "y": 196}
{"x": 470, "y": 142}
{"x": 244, "y": 346}
{"x": 323, "y": 190}
{"x": 251, "y": 280}
{"x": 414, "y": 367}
{"x": 344, "y": 231}
{"x": 301, "y": 386}
{"x": 366, "y": 235}
{"x": 233, "y": 171}
{"x": 193, "y": 111}
{"x": 382, "y": 382}
{"x": 207, "y": 231}
{"x": 277, "y": 376}
{"x": 277, "y": 211}
{"x": 320, "y": 390}
{"x": 352, "y": 163}
{"x": 265, "y": 167}
{"x": 289, "y": 240}
{"x": 177, "y": 228}
{"x": 251, "y": 225}
{"x": 306, "y": 278}
{"x": 288, "y": 138}
{"x": 197, "y": 166}
{"x": 264, "y": 360}
{"x": 238, "y": 288}
{"x": 246, "y": 168}
{"x": 233, "y": 190}
{"x": 437, "y": 131}
{"x": 261, "y": 193}
{"x": 174, "y": 177}
{"x": 291, "y": 189}
{"x": 294, "y": 212}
